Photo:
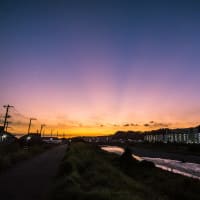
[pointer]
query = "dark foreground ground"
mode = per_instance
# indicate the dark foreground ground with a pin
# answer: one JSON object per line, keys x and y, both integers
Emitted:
{"x": 31, "y": 180}
{"x": 88, "y": 173}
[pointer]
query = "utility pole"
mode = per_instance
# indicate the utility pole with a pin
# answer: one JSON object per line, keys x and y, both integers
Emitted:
{"x": 43, "y": 132}
{"x": 7, "y": 123}
{"x": 6, "y": 115}
{"x": 41, "y": 127}
{"x": 51, "y": 132}
{"x": 29, "y": 126}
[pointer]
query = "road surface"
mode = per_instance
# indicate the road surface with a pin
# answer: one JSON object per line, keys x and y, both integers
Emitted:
{"x": 31, "y": 180}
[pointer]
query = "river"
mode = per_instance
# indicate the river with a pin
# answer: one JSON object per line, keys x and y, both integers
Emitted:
{"x": 184, "y": 168}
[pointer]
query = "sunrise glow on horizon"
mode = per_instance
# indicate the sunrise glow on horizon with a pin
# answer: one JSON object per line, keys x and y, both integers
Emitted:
{"x": 95, "y": 67}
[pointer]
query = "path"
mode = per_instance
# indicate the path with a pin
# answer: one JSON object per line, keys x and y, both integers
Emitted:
{"x": 31, "y": 180}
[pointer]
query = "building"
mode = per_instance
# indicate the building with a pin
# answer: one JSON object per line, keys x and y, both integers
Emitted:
{"x": 184, "y": 135}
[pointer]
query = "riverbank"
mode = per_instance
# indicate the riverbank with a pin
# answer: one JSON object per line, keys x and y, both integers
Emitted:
{"x": 87, "y": 172}
{"x": 166, "y": 151}
{"x": 178, "y": 167}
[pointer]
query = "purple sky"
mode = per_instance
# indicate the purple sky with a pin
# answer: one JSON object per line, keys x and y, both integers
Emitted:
{"x": 101, "y": 62}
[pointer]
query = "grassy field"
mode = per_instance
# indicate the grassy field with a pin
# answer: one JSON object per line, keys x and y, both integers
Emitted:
{"x": 87, "y": 173}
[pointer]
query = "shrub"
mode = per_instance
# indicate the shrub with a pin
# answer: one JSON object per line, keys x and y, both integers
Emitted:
{"x": 127, "y": 160}
{"x": 5, "y": 162}
{"x": 18, "y": 156}
{"x": 148, "y": 164}
{"x": 65, "y": 168}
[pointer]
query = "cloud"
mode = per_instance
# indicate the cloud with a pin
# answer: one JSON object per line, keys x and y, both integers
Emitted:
{"x": 18, "y": 115}
{"x": 134, "y": 124}
{"x": 130, "y": 124}
{"x": 115, "y": 125}
{"x": 19, "y": 123}
{"x": 154, "y": 124}
{"x": 161, "y": 124}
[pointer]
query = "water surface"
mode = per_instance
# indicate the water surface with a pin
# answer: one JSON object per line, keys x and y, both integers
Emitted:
{"x": 175, "y": 166}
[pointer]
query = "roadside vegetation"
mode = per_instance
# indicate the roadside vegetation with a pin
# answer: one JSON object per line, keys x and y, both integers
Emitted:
{"x": 10, "y": 154}
{"x": 87, "y": 172}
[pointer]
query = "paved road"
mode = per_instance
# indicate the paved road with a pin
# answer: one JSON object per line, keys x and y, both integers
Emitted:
{"x": 31, "y": 180}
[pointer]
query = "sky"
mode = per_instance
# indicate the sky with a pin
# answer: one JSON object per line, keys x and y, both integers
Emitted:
{"x": 95, "y": 67}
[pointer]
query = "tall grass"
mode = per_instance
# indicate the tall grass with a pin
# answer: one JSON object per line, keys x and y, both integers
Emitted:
{"x": 88, "y": 173}
{"x": 10, "y": 154}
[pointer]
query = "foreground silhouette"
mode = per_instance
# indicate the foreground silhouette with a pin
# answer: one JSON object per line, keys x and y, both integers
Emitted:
{"x": 31, "y": 180}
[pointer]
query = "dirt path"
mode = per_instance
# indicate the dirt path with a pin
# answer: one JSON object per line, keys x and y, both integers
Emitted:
{"x": 31, "y": 180}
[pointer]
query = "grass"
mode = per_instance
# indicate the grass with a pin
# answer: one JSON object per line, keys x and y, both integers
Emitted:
{"x": 10, "y": 154}
{"x": 87, "y": 172}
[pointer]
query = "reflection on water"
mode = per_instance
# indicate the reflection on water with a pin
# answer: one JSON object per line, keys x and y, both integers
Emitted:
{"x": 175, "y": 166}
{"x": 113, "y": 149}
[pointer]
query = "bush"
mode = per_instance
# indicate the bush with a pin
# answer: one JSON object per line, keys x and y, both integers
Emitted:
{"x": 9, "y": 148}
{"x": 65, "y": 168}
{"x": 148, "y": 164}
{"x": 18, "y": 156}
{"x": 127, "y": 160}
{"x": 5, "y": 162}
{"x": 10, "y": 154}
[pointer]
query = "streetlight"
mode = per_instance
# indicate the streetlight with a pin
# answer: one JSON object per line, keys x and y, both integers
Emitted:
{"x": 29, "y": 126}
{"x": 51, "y": 132}
{"x": 41, "y": 127}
